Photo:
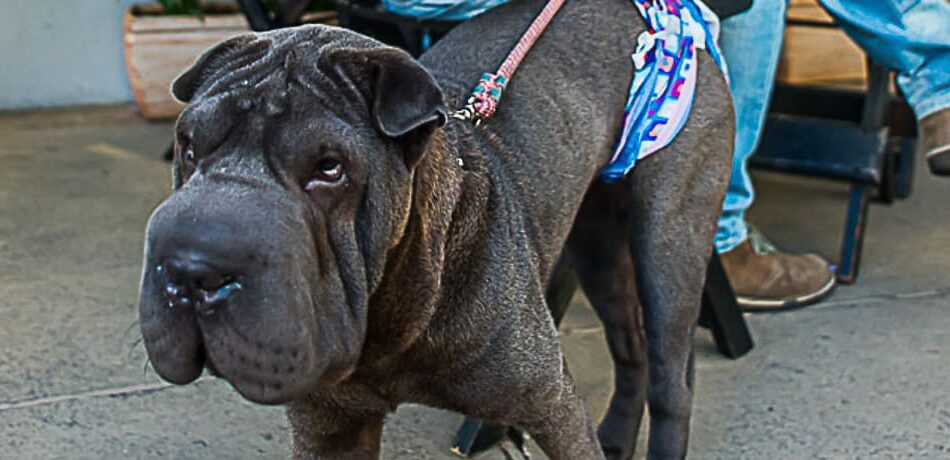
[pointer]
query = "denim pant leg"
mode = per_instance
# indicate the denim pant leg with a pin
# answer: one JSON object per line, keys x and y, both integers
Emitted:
{"x": 446, "y": 10}
{"x": 909, "y": 36}
{"x": 750, "y": 42}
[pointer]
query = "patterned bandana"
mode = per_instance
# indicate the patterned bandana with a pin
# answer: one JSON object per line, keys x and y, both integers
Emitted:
{"x": 664, "y": 81}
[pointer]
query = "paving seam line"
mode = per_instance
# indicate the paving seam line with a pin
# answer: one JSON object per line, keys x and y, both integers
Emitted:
{"x": 131, "y": 390}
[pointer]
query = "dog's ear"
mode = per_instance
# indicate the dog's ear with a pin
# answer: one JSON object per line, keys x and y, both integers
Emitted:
{"x": 187, "y": 84}
{"x": 405, "y": 102}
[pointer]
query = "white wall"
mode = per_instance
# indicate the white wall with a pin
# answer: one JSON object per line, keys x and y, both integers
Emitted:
{"x": 62, "y": 52}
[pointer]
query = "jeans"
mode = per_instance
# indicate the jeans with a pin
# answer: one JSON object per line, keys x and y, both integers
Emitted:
{"x": 750, "y": 42}
{"x": 911, "y": 37}
{"x": 446, "y": 10}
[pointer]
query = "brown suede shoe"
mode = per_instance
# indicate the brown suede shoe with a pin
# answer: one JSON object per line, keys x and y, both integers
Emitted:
{"x": 935, "y": 137}
{"x": 768, "y": 280}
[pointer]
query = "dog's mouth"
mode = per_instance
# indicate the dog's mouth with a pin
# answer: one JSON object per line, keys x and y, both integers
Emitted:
{"x": 265, "y": 364}
{"x": 204, "y": 301}
{"x": 258, "y": 340}
{"x": 260, "y": 373}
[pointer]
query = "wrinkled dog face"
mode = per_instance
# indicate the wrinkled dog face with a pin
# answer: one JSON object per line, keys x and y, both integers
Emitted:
{"x": 292, "y": 174}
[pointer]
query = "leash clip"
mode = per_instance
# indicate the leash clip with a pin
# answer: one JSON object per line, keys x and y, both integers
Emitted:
{"x": 468, "y": 113}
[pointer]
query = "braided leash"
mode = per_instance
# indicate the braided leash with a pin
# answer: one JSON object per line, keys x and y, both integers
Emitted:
{"x": 487, "y": 93}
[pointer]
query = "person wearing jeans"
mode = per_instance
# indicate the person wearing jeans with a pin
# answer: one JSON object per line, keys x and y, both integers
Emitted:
{"x": 911, "y": 37}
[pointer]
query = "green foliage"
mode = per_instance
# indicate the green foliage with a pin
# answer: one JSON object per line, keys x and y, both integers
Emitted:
{"x": 185, "y": 7}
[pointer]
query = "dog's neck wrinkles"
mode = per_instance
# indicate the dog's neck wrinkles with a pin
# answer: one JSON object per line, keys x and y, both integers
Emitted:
{"x": 448, "y": 215}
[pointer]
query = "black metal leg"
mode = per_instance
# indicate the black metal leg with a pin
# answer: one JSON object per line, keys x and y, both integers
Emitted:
{"x": 256, "y": 14}
{"x": 853, "y": 241}
{"x": 876, "y": 98}
{"x": 466, "y": 435}
{"x": 289, "y": 12}
{"x": 897, "y": 175}
{"x": 476, "y": 436}
{"x": 904, "y": 172}
{"x": 887, "y": 188}
{"x": 722, "y": 315}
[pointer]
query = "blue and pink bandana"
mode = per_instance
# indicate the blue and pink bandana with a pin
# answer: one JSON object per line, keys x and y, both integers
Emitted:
{"x": 664, "y": 81}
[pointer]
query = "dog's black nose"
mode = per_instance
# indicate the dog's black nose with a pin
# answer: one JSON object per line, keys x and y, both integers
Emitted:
{"x": 194, "y": 273}
{"x": 192, "y": 282}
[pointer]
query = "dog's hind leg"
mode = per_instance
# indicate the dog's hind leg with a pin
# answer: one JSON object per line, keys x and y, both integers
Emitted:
{"x": 600, "y": 250}
{"x": 675, "y": 201}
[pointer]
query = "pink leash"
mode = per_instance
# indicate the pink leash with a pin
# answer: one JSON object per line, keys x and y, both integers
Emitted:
{"x": 487, "y": 93}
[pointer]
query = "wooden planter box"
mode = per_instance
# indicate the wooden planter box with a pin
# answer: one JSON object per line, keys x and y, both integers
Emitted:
{"x": 160, "y": 47}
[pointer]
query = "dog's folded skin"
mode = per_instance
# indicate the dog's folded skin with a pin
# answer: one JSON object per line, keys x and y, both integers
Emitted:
{"x": 331, "y": 246}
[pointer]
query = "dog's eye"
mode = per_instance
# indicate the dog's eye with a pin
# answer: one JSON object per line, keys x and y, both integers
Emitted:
{"x": 186, "y": 148}
{"x": 328, "y": 171}
{"x": 188, "y": 153}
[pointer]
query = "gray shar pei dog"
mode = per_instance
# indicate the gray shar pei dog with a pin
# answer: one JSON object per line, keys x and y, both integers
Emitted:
{"x": 336, "y": 244}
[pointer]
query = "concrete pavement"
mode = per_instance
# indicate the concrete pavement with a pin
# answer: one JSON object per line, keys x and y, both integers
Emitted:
{"x": 862, "y": 375}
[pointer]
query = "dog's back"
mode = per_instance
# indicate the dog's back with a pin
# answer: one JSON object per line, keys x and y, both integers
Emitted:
{"x": 560, "y": 117}
{"x": 570, "y": 86}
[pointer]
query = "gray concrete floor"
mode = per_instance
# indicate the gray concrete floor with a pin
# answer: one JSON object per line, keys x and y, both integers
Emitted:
{"x": 862, "y": 375}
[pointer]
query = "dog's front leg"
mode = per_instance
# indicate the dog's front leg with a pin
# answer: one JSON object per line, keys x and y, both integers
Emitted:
{"x": 521, "y": 380}
{"x": 563, "y": 429}
{"x": 321, "y": 431}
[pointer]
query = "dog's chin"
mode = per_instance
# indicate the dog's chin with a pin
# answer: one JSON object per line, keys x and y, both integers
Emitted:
{"x": 260, "y": 380}
{"x": 269, "y": 394}
{"x": 262, "y": 369}
{"x": 265, "y": 363}
{"x": 264, "y": 389}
